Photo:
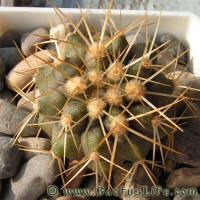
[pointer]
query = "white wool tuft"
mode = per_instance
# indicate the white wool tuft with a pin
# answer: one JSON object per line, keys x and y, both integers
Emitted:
{"x": 113, "y": 96}
{"x": 95, "y": 108}
{"x": 116, "y": 71}
{"x": 76, "y": 85}
{"x": 117, "y": 123}
{"x": 135, "y": 89}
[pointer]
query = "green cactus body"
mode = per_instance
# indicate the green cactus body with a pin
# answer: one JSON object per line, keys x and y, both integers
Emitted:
{"x": 47, "y": 128}
{"x": 51, "y": 104}
{"x": 76, "y": 110}
{"x": 146, "y": 121}
{"x": 66, "y": 71}
{"x": 118, "y": 45}
{"x": 74, "y": 46}
{"x": 126, "y": 152}
{"x": 66, "y": 139}
{"x": 110, "y": 122}
{"x": 98, "y": 65}
{"x": 90, "y": 140}
{"x": 46, "y": 80}
{"x": 143, "y": 73}
{"x": 91, "y": 94}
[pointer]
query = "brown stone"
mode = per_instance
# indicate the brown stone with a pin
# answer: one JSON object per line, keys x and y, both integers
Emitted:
{"x": 23, "y": 72}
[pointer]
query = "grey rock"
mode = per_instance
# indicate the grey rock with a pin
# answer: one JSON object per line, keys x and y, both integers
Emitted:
{"x": 184, "y": 177}
{"x": 6, "y": 95}
{"x": 164, "y": 58}
{"x": 170, "y": 51}
{"x": 139, "y": 38}
{"x": 186, "y": 197}
{"x": 1, "y": 83}
{"x": 4, "y": 135}
{"x": 2, "y": 67}
{"x": 176, "y": 47}
{"x": 10, "y": 158}
{"x": 190, "y": 82}
{"x": 26, "y": 104}
{"x": 76, "y": 183}
{"x": 7, "y": 38}
{"x": 189, "y": 145}
{"x": 29, "y": 40}
{"x": 2, "y": 72}
{"x": 192, "y": 125}
{"x": 11, "y": 117}
{"x": 138, "y": 47}
{"x": 33, "y": 179}
{"x": 34, "y": 143}
{"x": 139, "y": 180}
{"x": 10, "y": 56}
{"x": 51, "y": 46}
{"x": 165, "y": 38}
{"x": 64, "y": 198}
{"x": 44, "y": 198}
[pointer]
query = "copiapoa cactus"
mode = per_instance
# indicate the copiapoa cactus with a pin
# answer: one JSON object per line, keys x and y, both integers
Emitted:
{"x": 104, "y": 100}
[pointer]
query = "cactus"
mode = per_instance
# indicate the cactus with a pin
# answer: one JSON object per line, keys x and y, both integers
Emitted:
{"x": 100, "y": 106}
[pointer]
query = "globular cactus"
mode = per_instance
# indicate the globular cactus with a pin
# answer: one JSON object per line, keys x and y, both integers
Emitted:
{"x": 100, "y": 104}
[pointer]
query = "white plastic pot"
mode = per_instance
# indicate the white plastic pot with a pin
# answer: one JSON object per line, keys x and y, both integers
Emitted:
{"x": 185, "y": 26}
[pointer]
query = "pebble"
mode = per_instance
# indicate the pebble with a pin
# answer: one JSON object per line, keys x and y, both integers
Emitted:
{"x": 44, "y": 197}
{"x": 164, "y": 59}
{"x": 168, "y": 54}
{"x": 180, "y": 74}
{"x": 23, "y": 73}
{"x": 186, "y": 197}
{"x": 7, "y": 38}
{"x": 52, "y": 47}
{"x": 6, "y": 95}
{"x": 190, "y": 82}
{"x": 2, "y": 71}
{"x": 139, "y": 180}
{"x": 65, "y": 198}
{"x": 10, "y": 56}
{"x": 59, "y": 31}
{"x": 10, "y": 119}
{"x": 2, "y": 66}
{"x": 91, "y": 183}
{"x": 25, "y": 104}
{"x": 29, "y": 40}
{"x": 10, "y": 158}
{"x": 174, "y": 44}
{"x": 1, "y": 84}
{"x": 189, "y": 145}
{"x": 33, "y": 179}
{"x": 4, "y": 135}
{"x": 184, "y": 177}
{"x": 34, "y": 143}
{"x": 192, "y": 125}
{"x": 139, "y": 45}
{"x": 77, "y": 181}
